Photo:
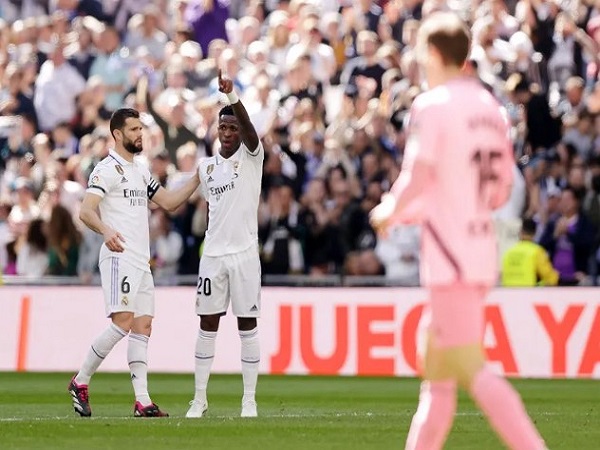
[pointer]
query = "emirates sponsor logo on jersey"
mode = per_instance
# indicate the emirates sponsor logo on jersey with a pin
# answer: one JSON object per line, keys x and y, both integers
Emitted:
{"x": 218, "y": 191}
{"x": 136, "y": 197}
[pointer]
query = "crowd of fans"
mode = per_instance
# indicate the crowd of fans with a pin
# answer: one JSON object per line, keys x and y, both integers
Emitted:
{"x": 328, "y": 85}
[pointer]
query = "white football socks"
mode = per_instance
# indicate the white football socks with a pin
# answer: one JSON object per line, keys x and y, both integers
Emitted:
{"x": 250, "y": 360}
{"x": 205, "y": 355}
{"x": 137, "y": 357}
{"x": 99, "y": 349}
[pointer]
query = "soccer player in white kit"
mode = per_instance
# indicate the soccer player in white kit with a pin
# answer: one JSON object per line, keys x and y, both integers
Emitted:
{"x": 120, "y": 187}
{"x": 457, "y": 169}
{"x": 230, "y": 266}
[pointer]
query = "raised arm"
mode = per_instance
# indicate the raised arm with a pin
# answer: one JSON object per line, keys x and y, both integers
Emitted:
{"x": 247, "y": 131}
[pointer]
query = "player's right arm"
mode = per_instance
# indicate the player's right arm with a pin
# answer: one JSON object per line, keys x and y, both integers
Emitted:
{"x": 100, "y": 182}
{"x": 247, "y": 130}
{"x": 89, "y": 215}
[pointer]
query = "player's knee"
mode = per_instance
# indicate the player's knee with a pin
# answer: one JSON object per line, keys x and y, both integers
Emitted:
{"x": 467, "y": 365}
{"x": 123, "y": 320}
{"x": 246, "y": 323}
{"x": 210, "y": 323}
{"x": 457, "y": 363}
{"x": 142, "y": 327}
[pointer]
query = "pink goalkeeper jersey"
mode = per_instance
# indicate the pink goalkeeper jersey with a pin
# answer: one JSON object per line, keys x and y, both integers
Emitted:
{"x": 457, "y": 169}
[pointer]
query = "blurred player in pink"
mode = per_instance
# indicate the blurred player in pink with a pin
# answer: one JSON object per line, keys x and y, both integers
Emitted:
{"x": 457, "y": 169}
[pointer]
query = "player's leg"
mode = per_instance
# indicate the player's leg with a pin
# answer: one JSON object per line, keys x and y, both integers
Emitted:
{"x": 456, "y": 351}
{"x": 433, "y": 419}
{"x": 121, "y": 320}
{"x": 244, "y": 274}
{"x": 137, "y": 348}
{"x": 212, "y": 301}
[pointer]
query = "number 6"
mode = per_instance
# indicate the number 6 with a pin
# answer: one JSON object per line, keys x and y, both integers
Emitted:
{"x": 125, "y": 286}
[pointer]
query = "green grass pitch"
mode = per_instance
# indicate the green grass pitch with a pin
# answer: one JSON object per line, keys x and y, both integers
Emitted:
{"x": 294, "y": 413}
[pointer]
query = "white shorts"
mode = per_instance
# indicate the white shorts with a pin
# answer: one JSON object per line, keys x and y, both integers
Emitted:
{"x": 235, "y": 277}
{"x": 126, "y": 288}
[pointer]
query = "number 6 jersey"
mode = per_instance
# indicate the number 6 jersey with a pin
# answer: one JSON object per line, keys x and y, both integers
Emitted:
{"x": 457, "y": 169}
{"x": 125, "y": 189}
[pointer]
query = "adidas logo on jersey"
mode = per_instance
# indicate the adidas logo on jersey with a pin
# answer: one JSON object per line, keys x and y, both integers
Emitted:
{"x": 254, "y": 308}
{"x": 210, "y": 179}
{"x": 123, "y": 180}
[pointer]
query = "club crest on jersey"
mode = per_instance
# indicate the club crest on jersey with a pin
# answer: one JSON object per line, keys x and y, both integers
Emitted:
{"x": 125, "y": 300}
{"x": 119, "y": 169}
{"x": 236, "y": 165}
{"x": 210, "y": 169}
{"x": 94, "y": 180}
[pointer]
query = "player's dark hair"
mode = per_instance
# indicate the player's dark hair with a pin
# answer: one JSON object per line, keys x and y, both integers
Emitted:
{"x": 226, "y": 111}
{"x": 449, "y": 35}
{"x": 529, "y": 226}
{"x": 120, "y": 116}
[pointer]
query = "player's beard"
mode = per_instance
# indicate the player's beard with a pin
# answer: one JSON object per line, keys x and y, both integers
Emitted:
{"x": 132, "y": 148}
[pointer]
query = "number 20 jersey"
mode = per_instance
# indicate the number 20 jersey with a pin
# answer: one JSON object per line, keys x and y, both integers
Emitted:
{"x": 231, "y": 187}
{"x": 462, "y": 134}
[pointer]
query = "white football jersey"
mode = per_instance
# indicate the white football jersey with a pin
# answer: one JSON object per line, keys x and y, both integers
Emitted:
{"x": 232, "y": 188}
{"x": 125, "y": 189}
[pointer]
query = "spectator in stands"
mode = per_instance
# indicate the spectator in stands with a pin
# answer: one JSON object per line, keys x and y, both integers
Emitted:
{"x": 569, "y": 239}
{"x": 543, "y": 130}
{"x": 166, "y": 246}
{"x": 144, "y": 33}
{"x": 32, "y": 256}
{"x": 399, "y": 254}
{"x": 207, "y": 19}
{"x": 365, "y": 65}
{"x": 63, "y": 243}
{"x": 13, "y": 101}
{"x": 172, "y": 124}
{"x": 81, "y": 52}
{"x": 350, "y": 221}
{"x": 110, "y": 65}
{"x": 6, "y": 235}
{"x": 281, "y": 252}
{"x": 316, "y": 230}
{"x": 25, "y": 208}
{"x": 526, "y": 263}
{"x": 56, "y": 89}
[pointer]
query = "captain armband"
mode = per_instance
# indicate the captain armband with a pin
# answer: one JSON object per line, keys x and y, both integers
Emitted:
{"x": 153, "y": 187}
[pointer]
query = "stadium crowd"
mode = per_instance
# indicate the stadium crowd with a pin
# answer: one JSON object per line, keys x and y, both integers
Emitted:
{"x": 328, "y": 85}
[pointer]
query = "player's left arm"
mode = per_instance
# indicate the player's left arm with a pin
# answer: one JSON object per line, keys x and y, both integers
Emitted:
{"x": 172, "y": 199}
{"x": 247, "y": 130}
{"x": 410, "y": 185}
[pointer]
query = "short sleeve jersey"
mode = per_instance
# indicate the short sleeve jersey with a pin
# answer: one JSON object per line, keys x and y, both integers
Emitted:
{"x": 125, "y": 189}
{"x": 232, "y": 189}
{"x": 462, "y": 133}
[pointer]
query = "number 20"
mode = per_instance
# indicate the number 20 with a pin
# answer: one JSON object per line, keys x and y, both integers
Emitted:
{"x": 204, "y": 286}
